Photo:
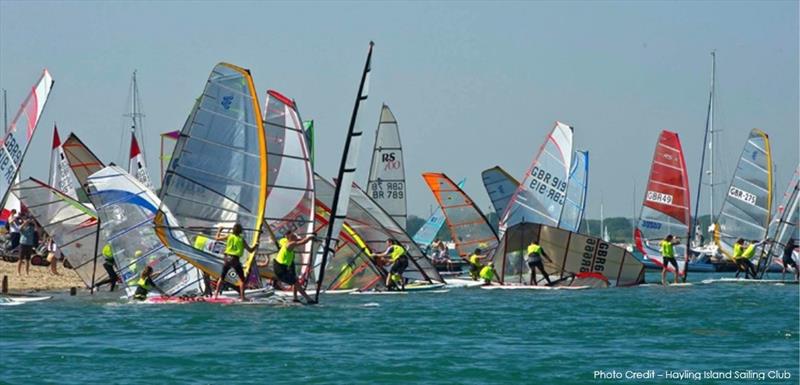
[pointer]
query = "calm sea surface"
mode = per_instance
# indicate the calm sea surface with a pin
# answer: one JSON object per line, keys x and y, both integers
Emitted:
{"x": 466, "y": 336}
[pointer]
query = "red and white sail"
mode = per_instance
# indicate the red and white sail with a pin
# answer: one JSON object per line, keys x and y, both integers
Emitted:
{"x": 61, "y": 177}
{"x": 136, "y": 166}
{"x": 666, "y": 205}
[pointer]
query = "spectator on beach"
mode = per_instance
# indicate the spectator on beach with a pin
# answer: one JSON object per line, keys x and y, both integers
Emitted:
{"x": 27, "y": 243}
{"x": 14, "y": 222}
{"x": 53, "y": 255}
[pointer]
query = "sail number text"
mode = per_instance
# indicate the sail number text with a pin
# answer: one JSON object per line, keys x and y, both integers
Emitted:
{"x": 742, "y": 195}
{"x": 657, "y": 197}
{"x": 548, "y": 185}
{"x": 11, "y": 155}
{"x": 589, "y": 248}
{"x": 393, "y": 190}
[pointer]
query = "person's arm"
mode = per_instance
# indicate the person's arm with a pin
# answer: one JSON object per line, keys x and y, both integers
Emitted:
{"x": 251, "y": 249}
{"x": 547, "y": 257}
{"x": 383, "y": 254}
{"x": 302, "y": 241}
{"x": 158, "y": 289}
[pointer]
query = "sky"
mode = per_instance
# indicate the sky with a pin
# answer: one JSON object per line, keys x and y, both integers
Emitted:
{"x": 473, "y": 84}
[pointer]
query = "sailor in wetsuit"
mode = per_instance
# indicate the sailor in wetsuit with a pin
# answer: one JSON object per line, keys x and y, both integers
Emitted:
{"x": 668, "y": 257}
{"x": 788, "y": 250}
{"x": 533, "y": 256}
{"x": 476, "y": 263}
{"x": 284, "y": 264}
{"x": 145, "y": 284}
{"x": 398, "y": 257}
{"x": 234, "y": 250}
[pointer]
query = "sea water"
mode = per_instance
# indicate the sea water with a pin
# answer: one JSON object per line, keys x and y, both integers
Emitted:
{"x": 706, "y": 334}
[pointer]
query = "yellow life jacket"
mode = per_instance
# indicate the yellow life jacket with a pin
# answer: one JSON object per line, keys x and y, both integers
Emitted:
{"x": 737, "y": 251}
{"x": 234, "y": 245}
{"x": 487, "y": 272}
{"x": 200, "y": 242}
{"x": 108, "y": 252}
{"x": 749, "y": 251}
{"x": 397, "y": 252}
{"x": 667, "y": 250}
{"x": 285, "y": 256}
{"x": 534, "y": 248}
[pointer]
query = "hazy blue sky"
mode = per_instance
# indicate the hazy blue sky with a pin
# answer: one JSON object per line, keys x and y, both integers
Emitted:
{"x": 473, "y": 85}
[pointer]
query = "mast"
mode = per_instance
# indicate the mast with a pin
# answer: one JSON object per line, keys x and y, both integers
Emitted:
{"x": 5, "y": 110}
{"x": 345, "y": 176}
{"x": 709, "y": 140}
{"x": 136, "y": 116}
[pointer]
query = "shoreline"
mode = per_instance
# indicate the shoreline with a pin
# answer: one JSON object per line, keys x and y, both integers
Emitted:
{"x": 39, "y": 279}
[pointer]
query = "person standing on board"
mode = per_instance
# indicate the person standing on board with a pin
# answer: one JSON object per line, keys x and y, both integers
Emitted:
{"x": 533, "y": 256}
{"x": 284, "y": 263}
{"x": 788, "y": 260}
{"x": 741, "y": 256}
{"x": 668, "y": 257}
{"x": 399, "y": 259}
{"x": 234, "y": 250}
{"x": 27, "y": 244}
{"x": 145, "y": 284}
{"x": 476, "y": 263}
{"x": 108, "y": 264}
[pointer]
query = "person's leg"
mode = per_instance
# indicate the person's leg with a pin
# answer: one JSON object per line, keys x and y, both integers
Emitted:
{"x": 221, "y": 281}
{"x": 540, "y": 265}
{"x": 664, "y": 274}
{"x": 242, "y": 279}
{"x": 20, "y": 257}
{"x": 674, "y": 263}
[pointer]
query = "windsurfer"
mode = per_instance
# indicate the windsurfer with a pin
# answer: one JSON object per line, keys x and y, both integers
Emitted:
{"x": 234, "y": 249}
{"x": 284, "y": 263}
{"x": 741, "y": 256}
{"x": 487, "y": 274}
{"x": 788, "y": 260}
{"x": 533, "y": 257}
{"x": 668, "y": 257}
{"x": 145, "y": 284}
{"x": 476, "y": 263}
{"x": 399, "y": 259}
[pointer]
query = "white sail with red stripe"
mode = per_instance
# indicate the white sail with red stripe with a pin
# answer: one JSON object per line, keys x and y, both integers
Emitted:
{"x": 136, "y": 165}
{"x": 666, "y": 205}
{"x": 61, "y": 177}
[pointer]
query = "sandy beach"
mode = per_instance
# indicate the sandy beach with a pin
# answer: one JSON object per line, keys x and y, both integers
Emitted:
{"x": 39, "y": 278}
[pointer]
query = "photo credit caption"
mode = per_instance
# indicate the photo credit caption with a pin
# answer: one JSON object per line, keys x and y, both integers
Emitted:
{"x": 693, "y": 375}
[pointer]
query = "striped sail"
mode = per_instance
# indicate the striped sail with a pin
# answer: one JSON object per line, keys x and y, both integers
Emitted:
{"x": 541, "y": 195}
{"x": 468, "y": 227}
{"x": 575, "y": 204}
{"x": 136, "y": 165}
{"x": 218, "y": 173}
{"x": 427, "y": 233}
{"x": 72, "y": 225}
{"x": 387, "y": 175}
{"x": 784, "y": 227}
{"x": 290, "y": 182}
{"x": 570, "y": 255}
{"x": 18, "y": 134}
{"x": 126, "y": 208}
{"x": 747, "y": 207}
{"x": 81, "y": 159}
{"x": 60, "y": 175}
{"x": 666, "y": 207}
{"x": 347, "y": 169}
{"x": 168, "y": 141}
{"x": 500, "y": 186}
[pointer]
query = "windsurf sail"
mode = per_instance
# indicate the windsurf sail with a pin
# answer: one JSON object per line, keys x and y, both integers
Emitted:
{"x": 72, "y": 225}
{"x": 290, "y": 180}
{"x": 308, "y": 126}
{"x": 168, "y": 141}
{"x": 136, "y": 165}
{"x": 61, "y": 176}
{"x": 126, "y": 207}
{"x": 575, "y": 204}
{"x": 666, "y": 208}
{"x": 19, "y": 133}
{"x": 468, "y": 227}
{"x": 500, "y": 186}
{"x": 747, "y": 207}
{"x": 81, "y": 159}
{"x": 218, "y": 173}
{"x": 785, "y": 227}
{"x": 569, "y": 256}
{"x": 347, "y": 168}
{"x": 427, "y": 233}
{"x": 541, "y": 195}
{"x": 387, "y": 175}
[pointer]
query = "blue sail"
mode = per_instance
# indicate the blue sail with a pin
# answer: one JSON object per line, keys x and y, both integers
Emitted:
{"x": 575, "y": 204}
{"x": 427, "y": 233}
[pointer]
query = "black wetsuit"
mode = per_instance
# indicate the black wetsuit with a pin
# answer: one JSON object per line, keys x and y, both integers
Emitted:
{"x": 535, "y": 262}
{"x": 787, "y": 255}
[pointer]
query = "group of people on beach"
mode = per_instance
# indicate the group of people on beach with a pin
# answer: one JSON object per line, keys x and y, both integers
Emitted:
{"x": 25, "y": 237}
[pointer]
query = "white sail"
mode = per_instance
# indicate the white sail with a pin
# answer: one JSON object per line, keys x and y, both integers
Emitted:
{"x": 387, "y": 176}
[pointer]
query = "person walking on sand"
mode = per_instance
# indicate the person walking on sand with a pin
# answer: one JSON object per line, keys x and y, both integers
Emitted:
{"x": 53, "y": 255}
{"x": 234, "y": 250}
{"x": 27, "y": 244}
